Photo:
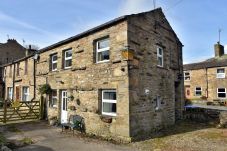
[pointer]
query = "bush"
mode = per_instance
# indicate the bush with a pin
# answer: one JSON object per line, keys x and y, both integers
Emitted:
{"x": 45, "y": 89}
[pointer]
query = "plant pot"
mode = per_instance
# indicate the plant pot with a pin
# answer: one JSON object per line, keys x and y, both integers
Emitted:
{"x": 106, "y": 119}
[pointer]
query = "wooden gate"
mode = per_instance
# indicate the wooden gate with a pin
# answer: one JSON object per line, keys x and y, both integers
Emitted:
{"x": 17, "y": 111}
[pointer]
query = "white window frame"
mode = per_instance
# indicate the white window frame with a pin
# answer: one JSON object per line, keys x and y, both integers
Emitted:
{"x": 198, "y": 91}
{"x": 101, "y": 50}
{"x": 53, "y": 62}
{"x": 108, "y": 101}
{"x": 10, "y": 93}
{"x": 67, "y": 58}
{"x": 25, "y": 94}
{"x": 160, "y": 56}
{"x": 221, "y": 92}
{"x": 220, "y": 75}
{"x": 158, "y": 103}
{"x": 52, "y": 100}
{"x": 188, "y": 76}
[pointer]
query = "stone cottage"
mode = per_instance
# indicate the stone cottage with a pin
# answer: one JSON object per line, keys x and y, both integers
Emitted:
{"x": 9, "y": 52}
{"x": 207, "y": 80}
{"x": 123, "y": 77}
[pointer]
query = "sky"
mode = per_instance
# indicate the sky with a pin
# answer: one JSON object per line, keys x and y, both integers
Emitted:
{"x": 45, "y": 22}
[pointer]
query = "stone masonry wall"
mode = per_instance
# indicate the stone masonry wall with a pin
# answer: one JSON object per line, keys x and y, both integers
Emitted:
{"x": 21, "y": 80}
{"x": 147, "y": 80}
{"x": 207, "y": 80}
{"x": 85, "y": 80}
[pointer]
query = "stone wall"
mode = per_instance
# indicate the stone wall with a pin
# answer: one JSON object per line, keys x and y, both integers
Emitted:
{"x": 208, "y": 81}
{"x": 85, "y": 80}
{"x": 147, "y": 80}
{"x": 21, "y": 80}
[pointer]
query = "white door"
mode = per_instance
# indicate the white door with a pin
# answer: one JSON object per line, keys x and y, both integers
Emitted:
{"x": 64, "y": 102}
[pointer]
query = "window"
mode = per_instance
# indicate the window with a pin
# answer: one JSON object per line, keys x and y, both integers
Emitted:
{"x": 25, "y": 95}
{"x": 221, "y": 93}
{"x": 157, "y": 103}
{"x": 10, "y": 93}
{"x": 198, "y": 91}
{"x": 18, "y": 69}
{"x": 221, "y": 73}
{"x": 26, "y": 67}
{"x": 103, "y": 50}
{"x": 10, "y": 71}
{"x": 109, "y": 102}
{"x": 160, "y": 56}
{"x": 68, "y": 59}
{"x": 54, "y": 62}
{"x": 53, "y": 99}
{"x": 187, "y": 76}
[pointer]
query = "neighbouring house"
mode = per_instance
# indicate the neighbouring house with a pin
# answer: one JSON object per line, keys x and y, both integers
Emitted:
{"x": 123, "y": 77}
{"x": 11, "y": 51}
{"x": 207, "y": 80}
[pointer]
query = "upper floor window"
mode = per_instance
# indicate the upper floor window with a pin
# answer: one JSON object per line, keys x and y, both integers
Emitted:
{"x": 221, "y": 92}
{"x": 221, "y": 73}
{"x": 18, "y": 69}
{"x": 26, "y": 67}
{"x": 68, "y": 59}
{"x": 25, "y": 94}
{"x": 198, "y": 91}
{"x": 109, "y": 102}
{"x": 103, "y": 50}
{"x": 54, "y": 62}
{"x": 187, "y": 76}
{"x": 160, "y": 56}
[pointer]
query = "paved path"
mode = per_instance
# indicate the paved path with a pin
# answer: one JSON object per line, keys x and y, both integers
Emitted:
{"x": 48, "y": 138}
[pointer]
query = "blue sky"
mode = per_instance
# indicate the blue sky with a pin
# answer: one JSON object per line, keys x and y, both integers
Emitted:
{"x": 44, "y": 22}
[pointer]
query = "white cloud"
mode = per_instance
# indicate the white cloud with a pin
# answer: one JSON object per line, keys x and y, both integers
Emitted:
{"x": 135, "y": 6}
{"x": 8, "y": 19}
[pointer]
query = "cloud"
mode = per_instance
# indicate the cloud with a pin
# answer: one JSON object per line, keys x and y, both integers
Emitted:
{"x": 135, "y": 6}
{"x": 8, "y": 19}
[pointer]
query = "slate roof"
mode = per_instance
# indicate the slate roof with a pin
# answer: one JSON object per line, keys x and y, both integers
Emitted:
{"x": 93, "y": 30}
{"x": 209, "y": 63}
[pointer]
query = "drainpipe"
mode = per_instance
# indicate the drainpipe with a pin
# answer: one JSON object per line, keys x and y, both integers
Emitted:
{"x": 35, "y": 58}
{"x": 206, "y": 83}
{"x": 14, "y": 69}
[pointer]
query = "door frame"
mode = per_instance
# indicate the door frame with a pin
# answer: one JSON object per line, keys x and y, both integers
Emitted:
{"x": 66, "y": 106}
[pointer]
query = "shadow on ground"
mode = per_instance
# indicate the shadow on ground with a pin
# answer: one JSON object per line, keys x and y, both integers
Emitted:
{"x": 35, "y": 148}
{"x": 180, "y": 127}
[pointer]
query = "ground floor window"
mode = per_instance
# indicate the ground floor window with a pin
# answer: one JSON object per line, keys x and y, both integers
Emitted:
{"x": 25, "y": 94}
{"x": 221, "y": 92}
{"x": 109, "y": 102}
{"x": 10, "y": 93}
{"x": 53, "y": 99}
{"x": 198, "y": 91}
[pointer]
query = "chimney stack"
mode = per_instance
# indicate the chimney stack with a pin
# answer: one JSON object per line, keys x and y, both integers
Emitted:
{"x": 29, "y": 49}
{"x": 219, "y": 50}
